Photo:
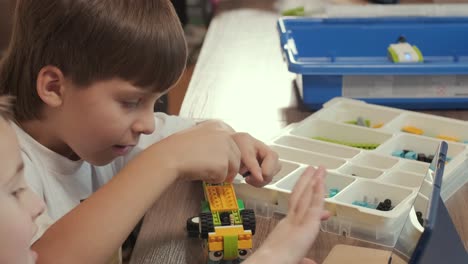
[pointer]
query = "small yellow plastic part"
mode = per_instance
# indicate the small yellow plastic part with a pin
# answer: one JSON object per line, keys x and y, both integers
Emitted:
{"x": 215, "y": 239}
{"x": 379, "y": 125}
{"x": 448, "y": 138}
{"x": 412, "y": 130}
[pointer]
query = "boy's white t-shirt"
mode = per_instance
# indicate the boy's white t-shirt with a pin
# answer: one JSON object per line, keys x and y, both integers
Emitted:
{"x": 64, "y": 183}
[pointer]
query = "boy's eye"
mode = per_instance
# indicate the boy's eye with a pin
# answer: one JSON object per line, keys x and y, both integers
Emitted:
{"x": 131, "y": 104}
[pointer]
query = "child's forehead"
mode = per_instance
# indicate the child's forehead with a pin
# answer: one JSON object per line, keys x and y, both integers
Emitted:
{"x": 123, "y": 87}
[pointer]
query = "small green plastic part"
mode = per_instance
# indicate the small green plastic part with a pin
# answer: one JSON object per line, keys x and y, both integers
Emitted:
{"x": 231, "y": 250}
{"x": 205, "y": 207}
{"x": 298, "y": 11}
{"x": 368, "y": 146}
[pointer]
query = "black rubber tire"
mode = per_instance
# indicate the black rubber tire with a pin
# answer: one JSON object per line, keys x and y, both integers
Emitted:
{"x": 193, "y": 227}
{"x": 207, "y": 225}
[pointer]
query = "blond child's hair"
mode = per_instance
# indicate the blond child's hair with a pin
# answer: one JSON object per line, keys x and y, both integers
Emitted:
{"x": 139, "y": 41}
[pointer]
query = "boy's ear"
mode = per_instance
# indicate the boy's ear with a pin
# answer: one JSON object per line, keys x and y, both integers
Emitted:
{"x": 50, "y": 86}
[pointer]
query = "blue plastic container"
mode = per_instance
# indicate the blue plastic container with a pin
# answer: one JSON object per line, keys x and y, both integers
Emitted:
{"x": 325, "y": 51}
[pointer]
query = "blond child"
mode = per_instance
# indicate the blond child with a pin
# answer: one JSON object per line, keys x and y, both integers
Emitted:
{"x": 19, "y": 206}
{"x": 86, "y": 75}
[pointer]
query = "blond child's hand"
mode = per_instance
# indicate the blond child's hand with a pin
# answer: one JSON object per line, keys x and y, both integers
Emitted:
{"x": 292, "y": 238}
{"x": 259, "y": 162}
{"x": 204, "y": 152}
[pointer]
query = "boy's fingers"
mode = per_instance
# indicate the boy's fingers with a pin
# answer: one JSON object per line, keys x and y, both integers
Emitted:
{"x": 234, "y": 162}
{"x": 270, "y": 161}
{"x": 243, "y": 170}
{"x": 306, "y": 200}
{"x": 253, "y": 171}
{"x": 270, "y": 166}
{"x": 319, "y": 191}
{"x": 299, "y": 188}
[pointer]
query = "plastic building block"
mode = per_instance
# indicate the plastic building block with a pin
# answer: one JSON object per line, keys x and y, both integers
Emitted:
{"x": 430, "y": 158}
{"x": 364, "y": 203}
{"x": 379, "y": 125}
{"x": 398, "y": 153}
{"x": 360, "y": 122}
{"x": 403, "y": 52}
{"x": 448, "y": 138}
{"x": 332, "y": 192}
{"x": 352, "y": 122}
{"x": 421, "y": 157}
{"x": 368, "y": 146}
{"x": 298, "y": 11}
{"x": 225, "y": 224}
{"x": 420, "y": 219}
{"x": 412, "y": 130}
{"x": 221, "y": 198}
{"x": 361, "y": 203}
{"x": 411, "y": 155}
{"x": 385, "y": 206}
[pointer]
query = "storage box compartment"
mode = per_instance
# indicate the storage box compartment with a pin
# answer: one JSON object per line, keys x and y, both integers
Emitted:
{"x": 317, "y": 146}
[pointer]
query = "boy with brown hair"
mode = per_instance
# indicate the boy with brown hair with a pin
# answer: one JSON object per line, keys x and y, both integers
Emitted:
{"x": 86, "y": 75}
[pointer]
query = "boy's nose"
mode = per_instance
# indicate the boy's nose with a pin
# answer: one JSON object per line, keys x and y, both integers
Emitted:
{"x": 144, "y": 124}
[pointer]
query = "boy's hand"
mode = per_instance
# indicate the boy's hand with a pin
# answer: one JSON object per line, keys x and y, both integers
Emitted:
{"x": 292, "y": 238}
{"x": 259, "y": 162}
{"x": 205, "y": 152}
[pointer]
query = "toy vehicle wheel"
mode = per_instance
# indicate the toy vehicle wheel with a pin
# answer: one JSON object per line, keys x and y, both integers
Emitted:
{"x": 193, "y": 226}
{"x": 206, "y": 222}
{"x": 248, "y": 220}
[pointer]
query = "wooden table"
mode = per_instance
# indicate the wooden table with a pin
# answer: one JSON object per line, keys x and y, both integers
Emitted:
{"x": 241, "y": 78}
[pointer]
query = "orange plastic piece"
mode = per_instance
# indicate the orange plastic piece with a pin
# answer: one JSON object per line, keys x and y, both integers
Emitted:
{"x": 221, "y": 198}
{"x": 379, "y": 125}
{"x": 412, "y": 130}
{"x": 448, "y": 138}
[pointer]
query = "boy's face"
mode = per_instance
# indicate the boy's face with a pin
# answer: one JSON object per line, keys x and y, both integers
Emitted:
{"x": 105, "y": 120}
{"x": 19, "y": 206}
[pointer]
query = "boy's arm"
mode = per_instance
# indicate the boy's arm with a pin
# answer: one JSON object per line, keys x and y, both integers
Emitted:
{"x": 96, "y": 228}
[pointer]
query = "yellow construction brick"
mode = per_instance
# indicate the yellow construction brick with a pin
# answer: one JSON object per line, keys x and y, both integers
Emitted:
{"x": 412, "y": 130}
{"x": 215, "y": 239}
{"x": 221, "y": 198}
{"x": 448, "y": 138}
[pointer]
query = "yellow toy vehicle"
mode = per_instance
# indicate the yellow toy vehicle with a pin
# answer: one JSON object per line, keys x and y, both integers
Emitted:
{"x": 225, "y": 224}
